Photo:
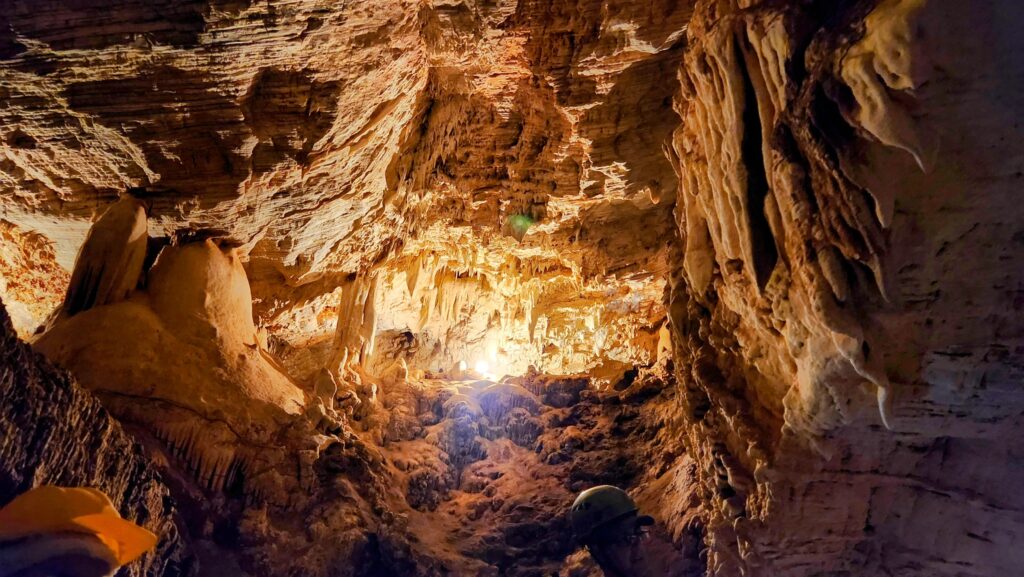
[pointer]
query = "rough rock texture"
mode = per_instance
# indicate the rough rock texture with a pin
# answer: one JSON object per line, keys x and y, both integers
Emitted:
{"x": 490, "y": 469}
{"x": 808, "y": 205}
{"x": 54, "y": 432}
{"x": 846, "y": 315}
{"x": 323, "y": 136}
{"x": 30, "y": 281}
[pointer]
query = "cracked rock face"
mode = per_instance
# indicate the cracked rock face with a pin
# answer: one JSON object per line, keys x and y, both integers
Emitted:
{"x": 381, "y": 285}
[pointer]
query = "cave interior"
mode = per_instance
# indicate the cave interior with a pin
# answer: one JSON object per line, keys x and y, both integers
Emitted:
{"x": 377, "y": 288}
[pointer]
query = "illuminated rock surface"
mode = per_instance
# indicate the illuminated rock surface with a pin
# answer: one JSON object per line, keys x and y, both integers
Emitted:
{"x": 775, "y": 247}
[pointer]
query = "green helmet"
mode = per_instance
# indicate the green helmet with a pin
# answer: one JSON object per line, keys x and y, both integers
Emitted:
{"x": 597, "y": 507}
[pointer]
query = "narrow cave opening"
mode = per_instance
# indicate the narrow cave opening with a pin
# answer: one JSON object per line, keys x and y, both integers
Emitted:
{"x": 763, "y": 246}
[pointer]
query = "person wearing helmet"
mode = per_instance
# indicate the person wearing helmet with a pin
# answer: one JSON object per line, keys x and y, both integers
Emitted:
{"x": 606, "y": 521}
{"x": 67, "y": 532}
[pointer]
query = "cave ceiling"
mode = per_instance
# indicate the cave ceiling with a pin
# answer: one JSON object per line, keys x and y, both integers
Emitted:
{"x": 519, "y": 145}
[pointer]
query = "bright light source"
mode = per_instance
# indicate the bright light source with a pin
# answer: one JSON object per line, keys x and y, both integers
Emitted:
{"x": 482, "y": 367}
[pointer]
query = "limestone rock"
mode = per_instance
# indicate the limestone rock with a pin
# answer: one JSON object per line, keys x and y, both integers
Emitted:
{"x": 773, "y": 242}
{"x": 822, "y": 271}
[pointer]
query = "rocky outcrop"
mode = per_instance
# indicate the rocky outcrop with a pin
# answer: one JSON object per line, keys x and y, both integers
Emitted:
{"x": 54, "y": 432}
{"x": 488, "y": 470}
{"x": 181, "y": 358}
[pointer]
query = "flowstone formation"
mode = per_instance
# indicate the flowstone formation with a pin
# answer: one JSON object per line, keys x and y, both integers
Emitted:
{"x": 380, "y": 286}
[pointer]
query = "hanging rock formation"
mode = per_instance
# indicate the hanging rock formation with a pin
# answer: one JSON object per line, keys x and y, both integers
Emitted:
{"x": 110, "y": 262}
{"x": 846, "y": 229}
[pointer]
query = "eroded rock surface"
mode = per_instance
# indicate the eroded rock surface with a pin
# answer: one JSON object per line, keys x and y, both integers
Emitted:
{"x": 844, "y": 316}
{"x": 805, "y": 210}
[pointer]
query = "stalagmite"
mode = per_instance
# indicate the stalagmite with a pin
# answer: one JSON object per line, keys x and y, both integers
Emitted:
{"x": 110, "y": 261}
{"x": 326, "y": 387}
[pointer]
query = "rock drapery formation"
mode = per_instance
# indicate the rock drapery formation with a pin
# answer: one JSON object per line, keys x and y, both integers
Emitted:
{"x": 839, "y": 190}
{"x": 776, "y": 241}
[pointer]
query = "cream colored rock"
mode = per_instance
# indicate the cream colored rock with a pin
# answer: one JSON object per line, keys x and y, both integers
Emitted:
{"x": 32, "y": 283}
{"x": 890, "y": 56}
{"x": 181, "y": 358}
{"x": 109, "y": 264}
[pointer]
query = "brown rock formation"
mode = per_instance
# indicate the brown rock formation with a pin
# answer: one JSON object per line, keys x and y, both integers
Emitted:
{"x": 828, "y": 318}
{"x": 30, "y": 281}
{"x": 776, "y": 241}
{"x": 54, "y": 432}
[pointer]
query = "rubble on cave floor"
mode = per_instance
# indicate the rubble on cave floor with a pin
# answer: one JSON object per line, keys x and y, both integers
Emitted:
{"x": 463, "y": 477}
{"x": 488, "y": 469}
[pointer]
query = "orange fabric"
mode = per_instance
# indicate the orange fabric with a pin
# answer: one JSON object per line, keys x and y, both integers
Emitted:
{"x": 48, "y": 509}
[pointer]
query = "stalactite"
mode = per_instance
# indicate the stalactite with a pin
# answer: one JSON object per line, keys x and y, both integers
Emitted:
{"x": 368, "y": 327}
{"x": 413, "y": 274}
{"x": 212, "y": 463}
{"x": 357, "y": 321}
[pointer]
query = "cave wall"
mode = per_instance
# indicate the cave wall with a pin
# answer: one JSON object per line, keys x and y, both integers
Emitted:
{"x": 822, "y": 194}
{"x": 52, "y": 431}
{"x": 844, "y": 308}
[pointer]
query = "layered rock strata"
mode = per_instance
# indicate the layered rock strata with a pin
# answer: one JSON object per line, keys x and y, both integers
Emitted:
{"x": 322, "y": 138}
